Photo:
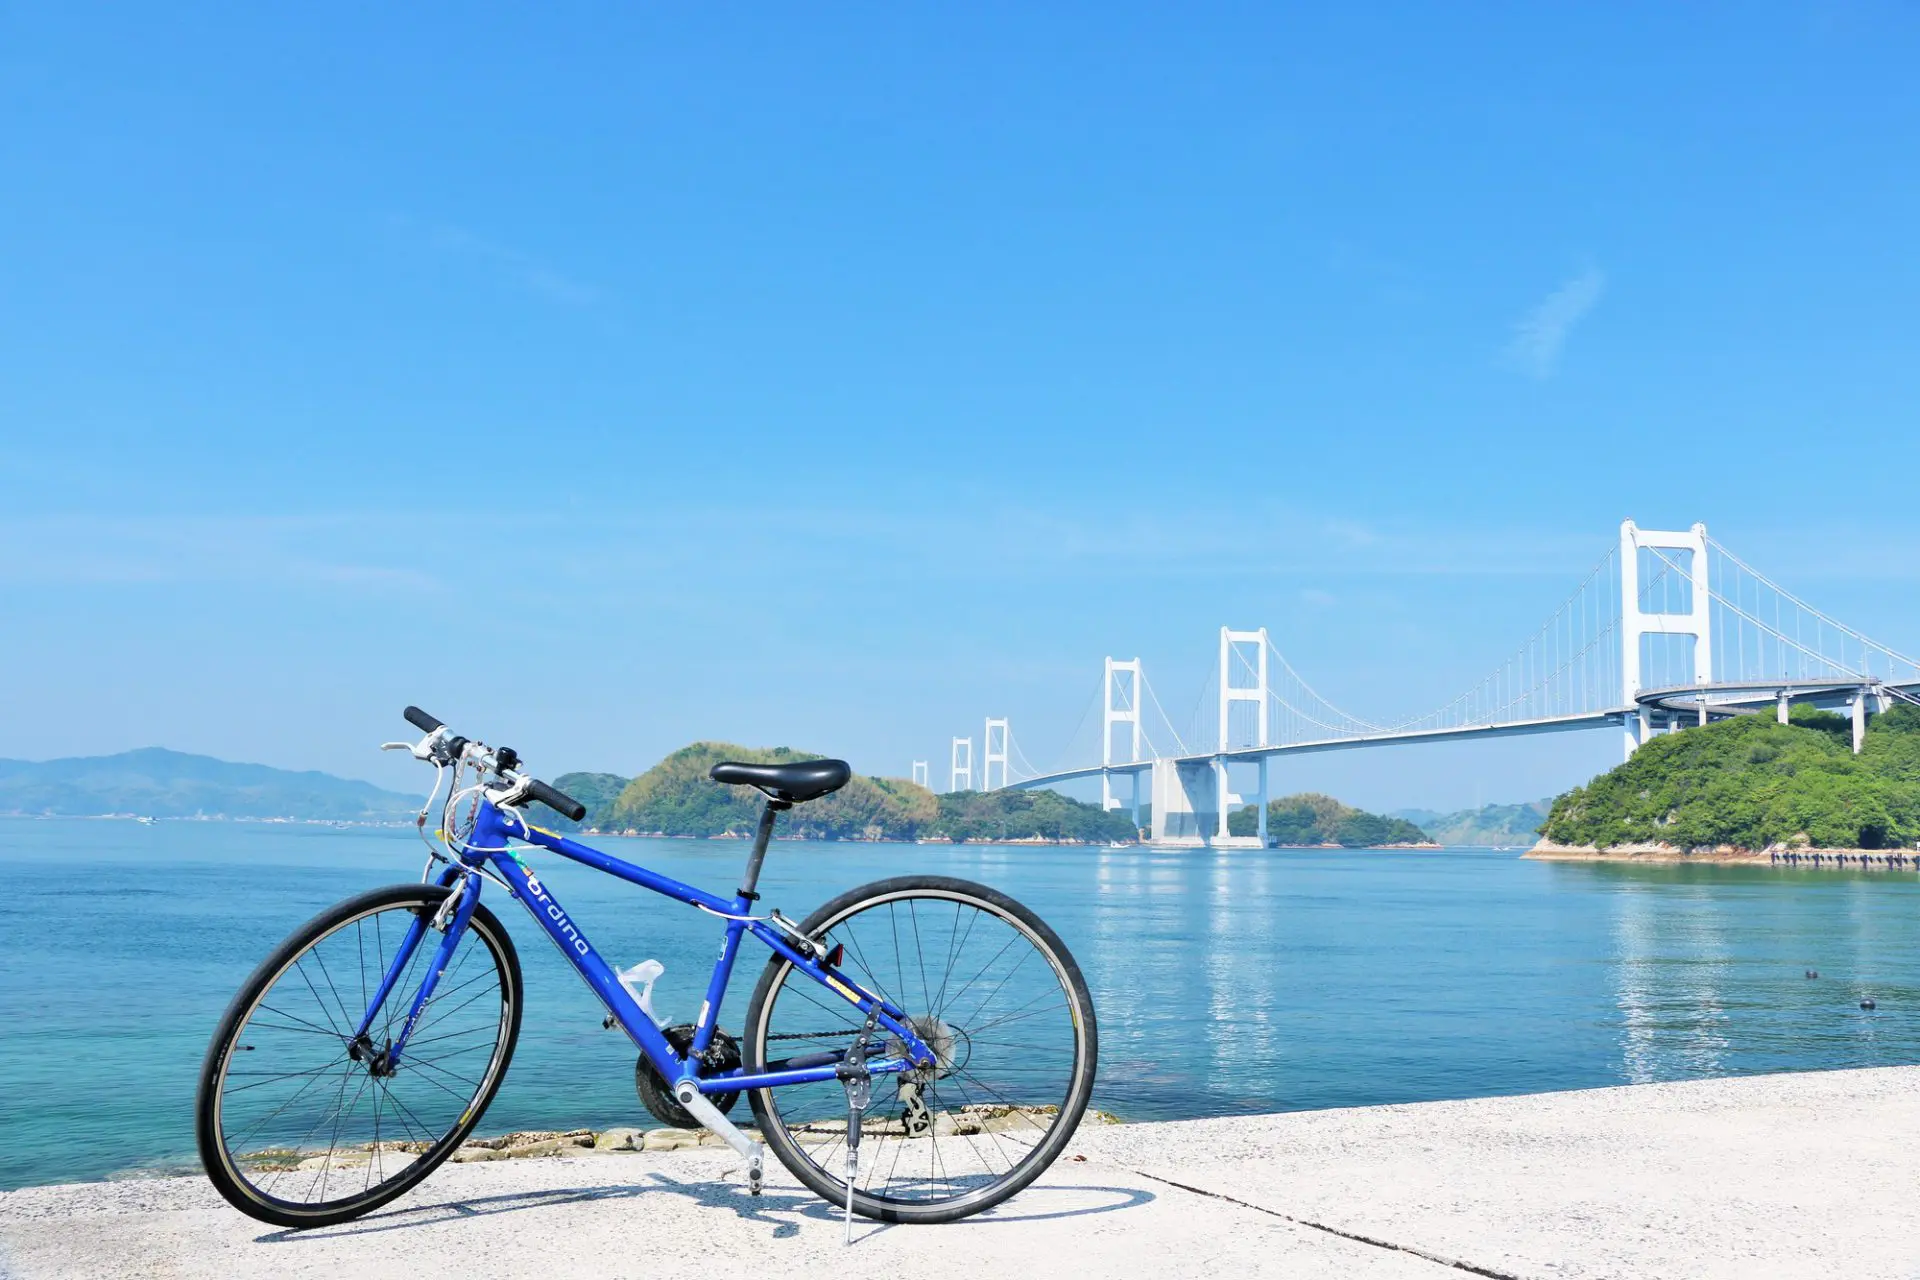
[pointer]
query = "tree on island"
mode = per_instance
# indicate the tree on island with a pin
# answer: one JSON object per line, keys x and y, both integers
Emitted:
{"x": 676, "y": 798}
{"x": 1750, "y": 783}
{"x": 1310, "y": 819}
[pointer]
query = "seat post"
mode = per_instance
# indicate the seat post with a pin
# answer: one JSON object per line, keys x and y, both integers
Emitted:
{"x": 760, "y": 839}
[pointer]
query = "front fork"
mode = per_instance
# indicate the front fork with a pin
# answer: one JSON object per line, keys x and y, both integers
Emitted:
{"x": 450, "y": 920}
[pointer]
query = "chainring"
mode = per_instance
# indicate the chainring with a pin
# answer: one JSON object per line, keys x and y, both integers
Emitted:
{"x": 656, "y": 1094}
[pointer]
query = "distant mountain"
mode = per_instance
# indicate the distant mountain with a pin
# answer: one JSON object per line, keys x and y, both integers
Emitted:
{"x": 1493, "y": 825}
{"x": 158, "y": 783}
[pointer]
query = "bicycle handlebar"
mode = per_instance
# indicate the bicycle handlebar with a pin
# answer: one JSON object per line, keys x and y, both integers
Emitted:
{"x": 552, "y": 797}
{"x": 557, "y": 800}
{"x": 421, "y": 720}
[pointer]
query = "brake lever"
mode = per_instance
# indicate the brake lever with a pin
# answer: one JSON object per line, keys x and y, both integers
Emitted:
{"x": 514, "y": 795}
{"x": 421, "y": 750}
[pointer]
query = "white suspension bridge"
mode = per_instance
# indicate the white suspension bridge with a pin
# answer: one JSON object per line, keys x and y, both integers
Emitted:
{"x": 1669, "y": 629}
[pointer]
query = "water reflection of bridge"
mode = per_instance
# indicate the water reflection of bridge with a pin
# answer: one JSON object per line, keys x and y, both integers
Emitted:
{"x": 1314, "y": 979}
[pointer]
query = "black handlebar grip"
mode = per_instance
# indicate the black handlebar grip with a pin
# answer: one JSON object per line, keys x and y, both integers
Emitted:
{"x": 421, "y": 720}
{"x": 558, "y": 801}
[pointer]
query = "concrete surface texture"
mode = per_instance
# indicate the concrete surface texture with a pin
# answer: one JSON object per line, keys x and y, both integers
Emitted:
{"x": 1790, "y": 1175}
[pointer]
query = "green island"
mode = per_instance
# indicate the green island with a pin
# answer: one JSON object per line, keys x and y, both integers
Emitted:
{"x": 1312, "y": 820}
{"x": 1750, "y": 785}
{"x": 675, "y": 798}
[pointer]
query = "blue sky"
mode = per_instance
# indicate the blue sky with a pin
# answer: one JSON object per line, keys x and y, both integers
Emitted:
{"x": 608, "y": 377}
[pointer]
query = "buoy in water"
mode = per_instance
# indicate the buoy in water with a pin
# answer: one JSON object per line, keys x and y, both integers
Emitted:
{"x": 1813, "y": 973}
{"x": 1867, "y": 1004}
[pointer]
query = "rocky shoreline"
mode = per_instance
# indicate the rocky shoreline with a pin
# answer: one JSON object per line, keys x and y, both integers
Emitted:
{"x": 1729, "y": 855}
{"x": 545, "y": 1143}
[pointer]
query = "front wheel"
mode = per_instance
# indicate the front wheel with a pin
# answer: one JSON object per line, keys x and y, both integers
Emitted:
{"x": 997, "y": 997}
{"x": 302, "y": 1122}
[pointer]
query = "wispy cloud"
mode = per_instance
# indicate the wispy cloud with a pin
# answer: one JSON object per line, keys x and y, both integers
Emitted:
{"x": 523, "y": 269}
{"x": 350, "y": 552}
{"x": 669, "y": 551}
{"x": 1542, "y": 332}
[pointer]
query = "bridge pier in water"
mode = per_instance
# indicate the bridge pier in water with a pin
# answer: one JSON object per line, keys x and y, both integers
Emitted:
{"x": 1192, "y": 800}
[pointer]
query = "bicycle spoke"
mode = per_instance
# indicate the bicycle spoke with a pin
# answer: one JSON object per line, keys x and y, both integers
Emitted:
{"x": 442, "y": 1071}
{"x": 367, "y": 1182}
{"x": 305, "y": 1031}
{"x": 955, "y": 941}
{"x": 417, "y": 1041}
{"x": 274, "y": 1114}
{"x": 276, "y": 1078}
{"x": 1016, "y": 1016}
{"x": 884, "y": 990}
{"x": 919, "y": 955}
{"x": 975, "y": 1148}
{"x": 312, "y": 1026}
{"x": 424, "y": 1133}
{"x": 320, "y": 959}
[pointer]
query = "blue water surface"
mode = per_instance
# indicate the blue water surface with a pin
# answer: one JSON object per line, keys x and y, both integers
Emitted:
{"x": 1236, "y": 982}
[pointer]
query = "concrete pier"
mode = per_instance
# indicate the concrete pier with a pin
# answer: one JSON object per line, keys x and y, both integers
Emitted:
{"x": 1779, "y": 1176}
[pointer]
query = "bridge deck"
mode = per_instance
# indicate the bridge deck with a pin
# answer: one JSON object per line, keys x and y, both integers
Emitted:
{"x": 1518, "y": 728}
{"x": 1722, "y": 696}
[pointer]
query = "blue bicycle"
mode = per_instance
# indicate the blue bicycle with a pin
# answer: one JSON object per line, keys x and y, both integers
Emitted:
{"x": 917, "y": 1050}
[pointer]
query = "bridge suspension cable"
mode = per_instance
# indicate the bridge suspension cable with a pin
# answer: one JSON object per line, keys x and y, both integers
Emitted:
{"x": 1144, "y": 696}
{"x": 1658, "y": 614}
{"x": 1568, "y": 667}
{"x": 1798, "y": 642}
{"x": 1304, "y": 712}
{"x": 1016, "y": 755}
{"x": 1154, "y": 698}
{"x": 1073, "y": 739}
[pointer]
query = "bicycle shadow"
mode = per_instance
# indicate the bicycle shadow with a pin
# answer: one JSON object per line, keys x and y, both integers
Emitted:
{"x": 780, "y": 1208}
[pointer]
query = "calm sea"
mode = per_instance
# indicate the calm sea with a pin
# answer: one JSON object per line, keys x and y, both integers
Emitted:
{"x": 1239, "y": 982}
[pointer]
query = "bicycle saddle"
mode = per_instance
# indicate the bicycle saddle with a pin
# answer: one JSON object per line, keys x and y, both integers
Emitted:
{"x": 795, "y": 783}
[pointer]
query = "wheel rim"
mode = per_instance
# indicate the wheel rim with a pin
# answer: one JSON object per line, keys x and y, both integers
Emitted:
{"x": 304, "y": 1123}
{"x": 997, "y": 1006}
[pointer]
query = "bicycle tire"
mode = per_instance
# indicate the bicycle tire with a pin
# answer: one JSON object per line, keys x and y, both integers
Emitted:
{"x": 779, "y": 1128}
{"x": 227, "y": 1169}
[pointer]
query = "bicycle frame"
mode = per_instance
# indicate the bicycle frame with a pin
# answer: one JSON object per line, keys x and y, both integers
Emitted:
{"x": 488, "y": 846}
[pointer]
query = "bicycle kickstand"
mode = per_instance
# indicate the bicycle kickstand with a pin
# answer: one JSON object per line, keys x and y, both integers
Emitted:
{"x": 852, "y": 1072}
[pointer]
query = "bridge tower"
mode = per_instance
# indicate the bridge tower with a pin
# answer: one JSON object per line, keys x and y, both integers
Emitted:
{"x": 1234, "y": 663}
{"x": 993, "y": 750}
{"x": 961, "y": 777}
{"x": 1694, "y": 619}
{"x": 920, "y": 774}
{"x": 1127, "y": 714}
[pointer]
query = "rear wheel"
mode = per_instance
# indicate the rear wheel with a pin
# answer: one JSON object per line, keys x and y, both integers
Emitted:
{"x": 302, "y": 1125}
{"x": 996, "y": 995}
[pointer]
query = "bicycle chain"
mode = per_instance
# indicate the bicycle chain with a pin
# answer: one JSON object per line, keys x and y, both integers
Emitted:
{"x": 816, "y": 1035}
